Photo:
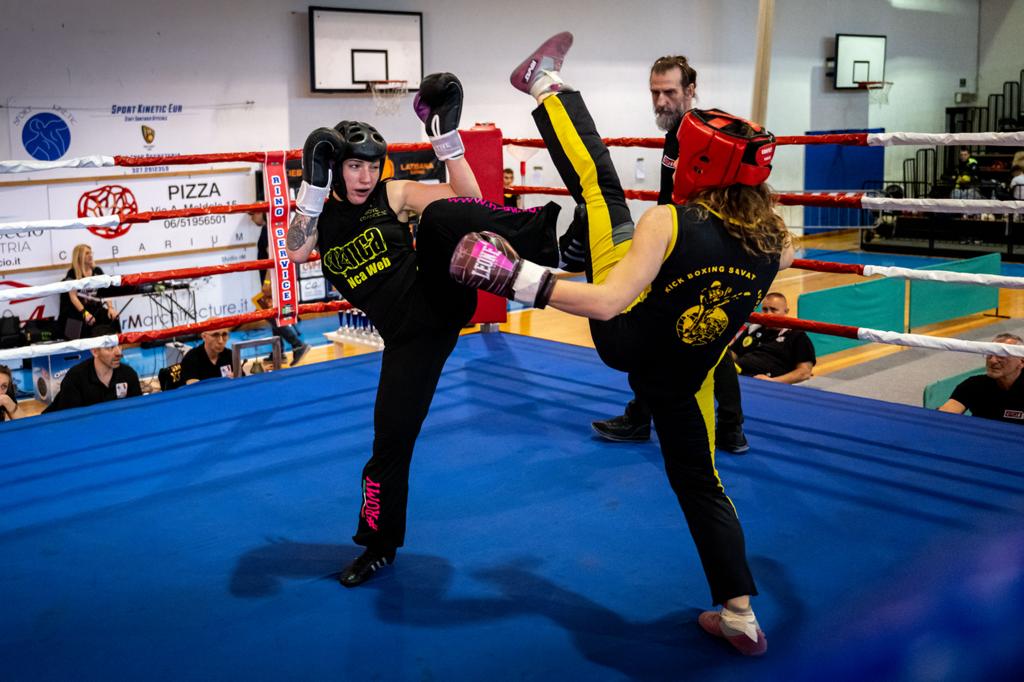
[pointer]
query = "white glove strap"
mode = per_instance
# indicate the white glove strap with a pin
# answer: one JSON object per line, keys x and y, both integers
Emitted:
{"x": 310, "y": 199}
{"x": 448, "y": 146}
{"x": 527, "y": 283}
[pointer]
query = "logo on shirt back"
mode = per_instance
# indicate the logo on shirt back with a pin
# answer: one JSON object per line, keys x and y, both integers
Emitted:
{"x": 702, "y": 324}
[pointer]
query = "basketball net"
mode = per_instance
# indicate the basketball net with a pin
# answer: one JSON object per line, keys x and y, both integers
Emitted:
{"x": 878, "y": 91}
{"x": 387, "y": 95}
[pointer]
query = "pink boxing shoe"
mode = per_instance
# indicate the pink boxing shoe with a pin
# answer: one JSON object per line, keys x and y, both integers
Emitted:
{"x": 538, "y": 74}
{"x": 712, "y": 623}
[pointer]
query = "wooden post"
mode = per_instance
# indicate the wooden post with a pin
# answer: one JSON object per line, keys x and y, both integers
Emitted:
{"x": 762, "y": 61}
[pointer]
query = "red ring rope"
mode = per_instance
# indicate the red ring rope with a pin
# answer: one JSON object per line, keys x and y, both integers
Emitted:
{"x": 854, "y": 139}
{"x": 845, "y": 199}
{"x": 826, "y": 266}
{"x": 783, "y": 322}
{"x": 231, "y": 321}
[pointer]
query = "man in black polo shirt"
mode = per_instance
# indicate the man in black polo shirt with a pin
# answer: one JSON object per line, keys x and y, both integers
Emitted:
{"x": 97, "y": 380}
{"x": 211, "y": 360}
{"x": 784, "y": 355}
{"x": 996, "y": 394}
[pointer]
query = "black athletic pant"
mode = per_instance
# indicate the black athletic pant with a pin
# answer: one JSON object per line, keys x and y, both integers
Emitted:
{"x": 727, "y": 397}
{"x": 681, "y": 396}
{"x": 434, "y": 310}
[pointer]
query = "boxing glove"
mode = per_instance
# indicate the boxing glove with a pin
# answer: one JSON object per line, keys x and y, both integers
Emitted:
{"x": 484, "y": 260}
{"x": 439, "y": 105}
{"x": 318, "y": 154}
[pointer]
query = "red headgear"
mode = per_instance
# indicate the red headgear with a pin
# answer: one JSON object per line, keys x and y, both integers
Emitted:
{"x": 717, "y": 149}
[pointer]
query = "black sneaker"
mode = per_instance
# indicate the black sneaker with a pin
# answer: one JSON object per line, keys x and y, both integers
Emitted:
{"x": 732, "y": 441}
{"x": 299, "y": 353}
{"x": 622, "y": 430}
{"x": 364, "y": 566}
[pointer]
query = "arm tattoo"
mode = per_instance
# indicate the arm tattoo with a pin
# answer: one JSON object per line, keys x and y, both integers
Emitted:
{"x": 302, "y": 227}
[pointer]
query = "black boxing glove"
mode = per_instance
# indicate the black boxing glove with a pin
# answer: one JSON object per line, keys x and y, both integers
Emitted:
{"x": 439, "y": 105}
{"x": 318, "y": 154}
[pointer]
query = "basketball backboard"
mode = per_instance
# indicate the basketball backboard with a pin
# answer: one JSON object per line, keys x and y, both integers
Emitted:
{"x": 859, "y": 59}
{"x": 349, "y": 48}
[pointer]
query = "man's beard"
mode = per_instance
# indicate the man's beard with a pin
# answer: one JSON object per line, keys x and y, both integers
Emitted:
{"x": 668, "y": 120}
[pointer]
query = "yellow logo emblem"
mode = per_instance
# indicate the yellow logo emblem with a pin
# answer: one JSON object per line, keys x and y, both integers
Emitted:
{"x": 702, "y": 324}
{"x": 148, "y": 134}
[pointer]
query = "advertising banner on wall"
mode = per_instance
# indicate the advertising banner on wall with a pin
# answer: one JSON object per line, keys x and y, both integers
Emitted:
{"x": 48, "y": 131}
{"x": 39, "y": 248}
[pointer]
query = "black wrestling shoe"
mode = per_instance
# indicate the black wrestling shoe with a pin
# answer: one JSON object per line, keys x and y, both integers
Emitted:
{"x": 364, "y": 566}
{"x": 732, "y": 441}
{"x": 622, "y": 430}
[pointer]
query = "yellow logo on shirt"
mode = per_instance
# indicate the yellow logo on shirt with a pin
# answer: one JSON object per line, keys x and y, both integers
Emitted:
{"x": 703, "y": 323}
{"x": 359, "y": 259}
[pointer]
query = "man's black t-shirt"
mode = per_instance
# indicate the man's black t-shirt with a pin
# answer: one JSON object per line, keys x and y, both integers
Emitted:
{"x": 772, "y": 351}
{"x": 196, "y": 365}
{"x": 984, "y": 398}
{"x": 669, "y": 155}
{"x": 81, "y": 387}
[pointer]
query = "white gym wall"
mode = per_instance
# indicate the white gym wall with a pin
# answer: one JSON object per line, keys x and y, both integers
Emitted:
{"x": 223, "y": 54}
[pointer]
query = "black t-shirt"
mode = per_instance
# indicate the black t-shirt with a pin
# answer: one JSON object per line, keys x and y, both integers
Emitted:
{"x": 367, "y": 254}
{"x": 983, "y": 397}
{"x": 706, "y": 288}
{"x": 772, "y": 351}
{"x": 88, "y": 297}
{"x": 196, "y": 365}
{"x": 669, "y": 156}
{"x": 81, "y": 387}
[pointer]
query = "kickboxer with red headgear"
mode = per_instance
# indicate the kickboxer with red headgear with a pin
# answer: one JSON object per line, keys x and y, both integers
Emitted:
{"x": 664, "y": 297}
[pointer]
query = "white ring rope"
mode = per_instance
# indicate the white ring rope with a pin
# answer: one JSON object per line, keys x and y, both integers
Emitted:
{"x": 61, "y": 224}
{"x": 1015, "y": 139}
{"x": 967, "y": 206}
{"x": 39, "y": 350}
{"x": 1000, "y": 281}
{"x": 94, "y": 282}
{"x": 19, "y": 166}
{"x": 939, "y": 343}
{"x": 946, "y": 139}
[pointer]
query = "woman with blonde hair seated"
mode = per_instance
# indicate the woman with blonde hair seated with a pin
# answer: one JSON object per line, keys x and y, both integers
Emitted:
{"x": 81, "y": 310}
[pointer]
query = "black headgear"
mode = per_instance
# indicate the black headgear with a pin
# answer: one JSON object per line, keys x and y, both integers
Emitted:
{"x": 362, "y": 141}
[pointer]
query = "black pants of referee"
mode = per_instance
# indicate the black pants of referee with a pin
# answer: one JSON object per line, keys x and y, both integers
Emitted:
{"x": 434, "y": 311}
{"x": 680, "y": 396}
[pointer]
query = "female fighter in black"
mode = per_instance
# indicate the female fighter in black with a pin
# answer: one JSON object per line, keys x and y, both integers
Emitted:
{"x": 366, "y": 251}
{"x": 664, "y": 298}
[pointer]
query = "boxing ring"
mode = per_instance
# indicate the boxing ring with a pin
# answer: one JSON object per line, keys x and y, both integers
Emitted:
{"x": 192, "y": 534}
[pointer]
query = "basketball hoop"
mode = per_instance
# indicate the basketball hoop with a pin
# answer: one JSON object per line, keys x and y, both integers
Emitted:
{"x": 387, "y": 95}
{"x": 878, "y": 91}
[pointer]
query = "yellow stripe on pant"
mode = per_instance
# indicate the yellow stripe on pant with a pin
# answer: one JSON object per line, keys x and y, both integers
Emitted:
{"x": 604, "y": 253}
{"x": 706, "y": 404}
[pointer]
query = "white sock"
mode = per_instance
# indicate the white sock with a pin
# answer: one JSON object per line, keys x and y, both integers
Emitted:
{"x": 739, "y": 622}
{"x": 545, "y": 83}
